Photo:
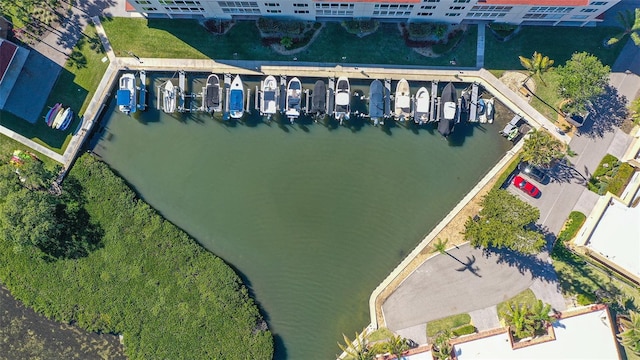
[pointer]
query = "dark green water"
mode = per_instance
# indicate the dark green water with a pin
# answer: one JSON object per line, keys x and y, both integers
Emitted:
{"x": 313, "y": 217}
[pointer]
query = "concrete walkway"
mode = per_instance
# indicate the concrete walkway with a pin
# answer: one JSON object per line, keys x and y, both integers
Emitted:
{"x": 480, "y": 46}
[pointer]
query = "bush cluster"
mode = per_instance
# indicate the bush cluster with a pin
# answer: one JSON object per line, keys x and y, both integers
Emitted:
{"x": 464, "y": 330}
{"x": 421, "y": 30}
{"x": 360, "y": 26}
{"x": 611, "y": 175}
{"x": 574, "y": 223}
{"x": 150, "y": 282}
{"x": 283, "y": 27}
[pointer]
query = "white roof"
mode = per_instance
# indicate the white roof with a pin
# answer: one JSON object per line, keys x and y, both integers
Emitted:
{"x": 617, "y": 236}
{"x": 586, "y": 336}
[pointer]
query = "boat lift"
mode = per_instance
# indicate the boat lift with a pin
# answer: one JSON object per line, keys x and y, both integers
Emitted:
{"x": 387, "y": 98}
{"x": 227, "y": 87}
{"x": 307, "y": 99}
{"x": 142, "y": 101}
{"x": 331, "y": 98}
{"x": 256, "y": 97}
{"x": 433, "y": 102}
{"x": 473, "y": 107}
{"x": 283, "y": 93}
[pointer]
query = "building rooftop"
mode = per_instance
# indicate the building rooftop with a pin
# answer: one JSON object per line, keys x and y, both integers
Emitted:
{"x": 539, "y": 2}
{"x": 617, "y": 236}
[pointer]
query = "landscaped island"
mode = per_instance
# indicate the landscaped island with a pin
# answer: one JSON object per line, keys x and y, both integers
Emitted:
{"x": 142, "y": 277}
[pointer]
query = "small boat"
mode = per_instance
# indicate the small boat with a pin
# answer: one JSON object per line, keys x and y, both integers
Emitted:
{"x": 376, "y": 102}
{"x": 169, "y": 98}
{"x": 236, "y": 98}
{"x": 51, "y": 114}
{"x": 319, "y": 98}
{"x": 142, "y": 99}
{"x": 127, "y": 94}
{"x": 62, "y": 115}
{"x": 448, "y": 110}
{"x": 67, "y": 120}
{"x": 294, "y": 98}
{"x": 490, "y": 111}
{"x": 482, "y": 116}
{"x": 269, "y": 96}
{"x": 402, "y": 101}
{"x": 422, "y": 106}
{"x": 212, "y": 94}
{"x": 342, "y": 108}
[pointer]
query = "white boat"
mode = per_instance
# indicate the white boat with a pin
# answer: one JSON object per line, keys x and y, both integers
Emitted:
{"x": 342, "y": 108}
{"x": 67, "y": 121}
{"x": 60, "y": 118}
{"x": 294, "y": 98}
{"x": 490, "y": 110}
{"x": 422, "y": 106}
{"x": 169, "y": 98}
{"x": 236, "y": 98}
{"x": 126, "y": 95}
{"x": 482, "y": 114}
{"x": 402, "y": 103}
{"x": 213, "y": 94}
{"x": 269, "y": 96}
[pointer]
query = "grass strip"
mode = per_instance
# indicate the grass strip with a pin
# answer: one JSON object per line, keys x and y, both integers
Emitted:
{"x": 525, "y": 297}
{"x": 448, "y": 323}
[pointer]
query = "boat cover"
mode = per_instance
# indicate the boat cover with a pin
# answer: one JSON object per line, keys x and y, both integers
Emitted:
{"x": 449, "y": 110}
{"x": 123, "y": 97}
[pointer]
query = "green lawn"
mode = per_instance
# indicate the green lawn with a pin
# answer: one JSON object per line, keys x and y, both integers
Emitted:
{"x": 558, "y": 43}
{"x": 74, "y": 87}
{"x": 380, "y": 334}
{"x": 547, "y": 99}
{"x": 448, "y": 323}
{"x": 525, "y": 297}
{"x": 165, "y": 38}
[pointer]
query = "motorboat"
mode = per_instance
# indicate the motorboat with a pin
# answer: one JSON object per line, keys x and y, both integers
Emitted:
{"x": 213, "y": 94}
{"x": 60, "y": 117}
{"x": 169, "y": 98}
{"x": 422, "y": 106}
{"x": 402, "y": 101}
{"x": 319, "y": 98}
{"x": 512, "y": 129}
{"x": 448, "y": 110}
{"x": 236, "y": 98}
{"x": 376, "y": 102}
{"x": 342, "y": 108}
{"x": 126, "y": 95}
{"x": 482, "y": 115}
{"x": 490, "y": 110}
{"x": 67, "y": 120}
{"x": 294, "y": 98}
{"x": 269, "y": 96}
{"x": 52, "y": 113}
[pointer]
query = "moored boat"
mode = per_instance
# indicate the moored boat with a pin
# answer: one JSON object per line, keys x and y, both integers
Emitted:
{"x": 127, "y": 94}
{"x": 490, "y": 110}
{"x": 421, "y": 115}
{"x": 482, "y": 115}
{"x": 342, "y": 108}
{"x": 169, "y": 98}
{"x": 236, "y": 98}
{"x": 212, "y": 97}
{"x": 294, "y": 98}
{"x": 319, "y": 98}
{"x": 376, "y": 102}
{"x": 448, "y": 110}
{"x": 402, "y": 103}
{"x": 51, "y": 114}
{"x": 60, "y": 118}
{"x": 269, "y": 96}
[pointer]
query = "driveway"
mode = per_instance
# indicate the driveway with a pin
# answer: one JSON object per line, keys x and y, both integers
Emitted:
{"x": 463, "y": 281}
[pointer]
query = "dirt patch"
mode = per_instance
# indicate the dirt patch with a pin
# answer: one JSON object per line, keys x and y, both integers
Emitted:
{"x": 25, "y": 334}
{"x": 514, "y": 81}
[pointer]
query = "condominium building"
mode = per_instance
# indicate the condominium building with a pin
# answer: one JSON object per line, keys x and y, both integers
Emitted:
{"x": 524, "y": 12}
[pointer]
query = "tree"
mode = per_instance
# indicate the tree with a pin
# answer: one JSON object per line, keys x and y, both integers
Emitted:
{"x": 537, "y": 65}
{"x": 540, "y": 315}
{"x": 630, "y": 337}
{"x": 628, "y": 20}
{"x": 35, "y": 175}
{"x": 356, "y": 349}
{"x": 582, "y": 78}
{"x": 441, "y": 346}
{"x": 396, "y": 345}
{"x": 541, "y": 149}
{"x": 287, "y": 42}
{"x": 440, "y": 246}
{"x": 519, "y": 319}
{"x": 503, "y": 222}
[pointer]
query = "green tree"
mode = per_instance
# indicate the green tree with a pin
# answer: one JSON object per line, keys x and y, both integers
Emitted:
{"x": 503, "y": 222}
{"x": 396, "y": 345}
{"x": 519, "y": 320}
{"x": 630, "y": 337}
{"x": 441, "y": 346}
{"x": 440, "y": 246}
{"x": 629, "y": 20}
{"x": 35, "y": 175}
{"x": 582, "y": 78}
{"x": 537, "y": 65}
{"x": 541, "y": 149}
{"x": 356, "y": 349}
{"x": 540, "y": 316}
{"x": 287, "y": 42}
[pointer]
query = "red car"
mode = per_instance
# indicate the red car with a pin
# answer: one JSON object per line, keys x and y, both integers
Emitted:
{"x": 526, "y": 186}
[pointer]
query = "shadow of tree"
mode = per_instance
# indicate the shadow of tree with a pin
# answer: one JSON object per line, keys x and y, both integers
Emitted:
{"x": 537, "y": 265}
{"x": 564, "y": 172}
{"x": 606, "y": 112}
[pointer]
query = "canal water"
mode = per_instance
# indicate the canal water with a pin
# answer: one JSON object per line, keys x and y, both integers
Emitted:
{"x": 312, "y": 215}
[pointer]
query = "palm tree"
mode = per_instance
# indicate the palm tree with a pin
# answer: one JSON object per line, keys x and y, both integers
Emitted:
{"x": 629, "y": 20}
{"x": 396, "y": 345}
{"x": 440, "y": 246}
{"x": 540, "y": 315}
{"x": 537, "y": 65}
{"x": 630, "y": 337}
{"x": 541, "y": 149}
{"x": 356, "y": 349}
{"x": 441, "y": 345}
{"x": 519, "y": 319}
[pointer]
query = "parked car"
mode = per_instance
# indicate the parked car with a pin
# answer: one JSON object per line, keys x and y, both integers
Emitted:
{"x": 535, "y": 173}
{"x": 526, "y": 186}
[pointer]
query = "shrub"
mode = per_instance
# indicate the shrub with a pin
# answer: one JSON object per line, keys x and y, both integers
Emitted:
{"x": 506, "y": 173}
{"x": 421, "y": 30}
{"x": 464, "y": 330}
{"x": 621, "y": 179}
{"x": 360, "y": 26}
{"x": 290, "y": 28}
{"x": 611, "y": 175}
{"x": 503, "y": 27}
{"x": 573, "y": 224}
{"x": 585, "y": 299}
